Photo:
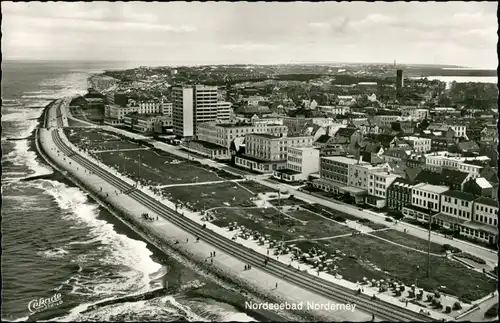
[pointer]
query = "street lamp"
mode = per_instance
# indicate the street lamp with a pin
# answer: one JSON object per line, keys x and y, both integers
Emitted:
{"x": 429, "y": 244}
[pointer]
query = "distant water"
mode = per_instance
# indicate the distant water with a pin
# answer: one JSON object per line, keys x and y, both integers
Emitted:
{"x": 55, "y": 239}
{"x": 464, "y": 79}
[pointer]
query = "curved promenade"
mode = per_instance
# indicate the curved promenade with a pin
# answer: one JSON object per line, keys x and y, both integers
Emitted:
{"x": 382, "y": 310}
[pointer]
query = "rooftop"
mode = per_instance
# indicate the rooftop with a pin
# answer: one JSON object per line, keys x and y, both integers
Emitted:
{"x": 265, "y": 135}
{"x": 262, "y": 161}
{"x": 208, "y": 145}
{"x": 481, "y": 226}
{"x": 287, "y": 171}
{"x": 460, "y": 195}
{"x": 438, "y": 189}
{"x": 323, "y": 139}
{"x": 401, "y": 181}
{"x": 341, "y": 159}
{"x": 483, "y": 182}
{"x": 487, "y": 201}
{"x": 303, "y": 148}
{"x": 449, "y": 218}
{"x": 234, "y": 125}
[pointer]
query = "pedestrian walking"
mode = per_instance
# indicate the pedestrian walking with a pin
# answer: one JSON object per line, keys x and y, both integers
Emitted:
{"x": 187, "y": 240}
{"x": 276, "y": 285}
{"x": 214, "y": 253}
{"x": 406, "y": 303}
{"x": 211, "y": 260}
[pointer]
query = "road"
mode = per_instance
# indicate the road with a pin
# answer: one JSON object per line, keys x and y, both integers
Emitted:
{"x": 380, "y": 309}
{"x": 490, "y": 256}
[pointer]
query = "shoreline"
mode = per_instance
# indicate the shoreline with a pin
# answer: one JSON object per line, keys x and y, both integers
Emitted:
{"x": 214, "y": 276}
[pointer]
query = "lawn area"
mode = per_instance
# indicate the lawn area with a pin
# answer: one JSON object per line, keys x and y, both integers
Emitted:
{"x": 409, "y": 240}
{"x": 209, "y": 196}
{"x": 94, "y": 139}
{"x": 288, "y": 201}
{"x": 341, "y": 216}
{"x": 267, "y": 221}
{"x": 156, "y": 170}
{"x": 376, "y": 259}
{"x": 78, "y": 135}
{"x": 257, "y": 188}
{"x": 236, "y": 170}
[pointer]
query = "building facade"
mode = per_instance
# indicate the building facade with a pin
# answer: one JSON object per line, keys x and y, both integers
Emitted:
{"x": 266, "y": 153}
{"x": 205, "y": 104}
{"x": 300, "y": 163}
{"x": 223, "y": 111}
{"x": 419, "y": 144}
{"x": 183, "y": 111}
{"x": 427, "y": 196}
{"x": 399, "y": 195}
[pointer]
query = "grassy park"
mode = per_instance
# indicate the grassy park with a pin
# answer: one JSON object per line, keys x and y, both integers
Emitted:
{"x": 355, "y": 257}
{"x": 210, "y": 196}
{"x": 92, "y": 139}
{"x": 257, "y": 188}
{"x": 279, "y": 226}
{"x": 366, "y": 256}
{"x": 409, "y": 240}
{"x": 154, "y": 169}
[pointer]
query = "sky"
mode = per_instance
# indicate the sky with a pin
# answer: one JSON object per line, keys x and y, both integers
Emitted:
{"x": 452, "y": 33}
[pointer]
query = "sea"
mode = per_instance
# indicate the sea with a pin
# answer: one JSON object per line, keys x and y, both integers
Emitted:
{"x": 463, "y": 79}
{"x": 56, "y": 240}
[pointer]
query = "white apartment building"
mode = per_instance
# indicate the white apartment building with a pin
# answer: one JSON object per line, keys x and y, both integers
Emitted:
{"x": 460, "y": 130}
{"x": 117, "y": 112}
{"x": 224, "y": 133}
{"x": 266, "y": 153}
{"x": 273, "y": 148}
{"x": 427, "y": 196}
{"x": 223, "y": 111}
{"x": 419, "y": 145}
{"x": 357, "y": 175}
{"x": 336, "y": 110}
{"x": 253, "y": 100}
{"x": 420, "y": 114}
{"x": 457, "y": 207}
{"x": 379, "y": 180}
{"x": 146, "y": 123}
{"x": 414, "y": 113}
{"x": 484, "y": 227}
{"x": 183, "y": 111}
{"x": 370, "y": 129}
{"x": 150, "y": 107}
{"x": 167, "y": 108}
{"x": 385, "y": 121}
{"x": 265, "y": 120}
{"x": 335, "y": 174}
{"x": 457, "y": 163}
{"x": 206, "y": 104}
{"x": 300, "y": 163}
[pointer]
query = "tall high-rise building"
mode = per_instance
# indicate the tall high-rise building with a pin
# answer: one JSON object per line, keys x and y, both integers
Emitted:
{"x": 192, "y": 105}
{"x": 399, "y": 80}
{"x": 205, "y": 101}
{"x": 183, "y": 111}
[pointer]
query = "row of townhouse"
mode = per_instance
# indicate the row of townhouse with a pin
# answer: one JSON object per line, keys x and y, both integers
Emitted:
{"x": 472, "y": 216}
{"x": 364, "y": 182}
{"x": 214, "y": 139}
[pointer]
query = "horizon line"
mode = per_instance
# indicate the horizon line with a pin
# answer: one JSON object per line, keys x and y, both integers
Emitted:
{"x": 161, "y": 63}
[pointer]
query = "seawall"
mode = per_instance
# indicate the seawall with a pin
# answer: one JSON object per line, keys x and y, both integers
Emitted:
{"x": 176, "y": 251}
